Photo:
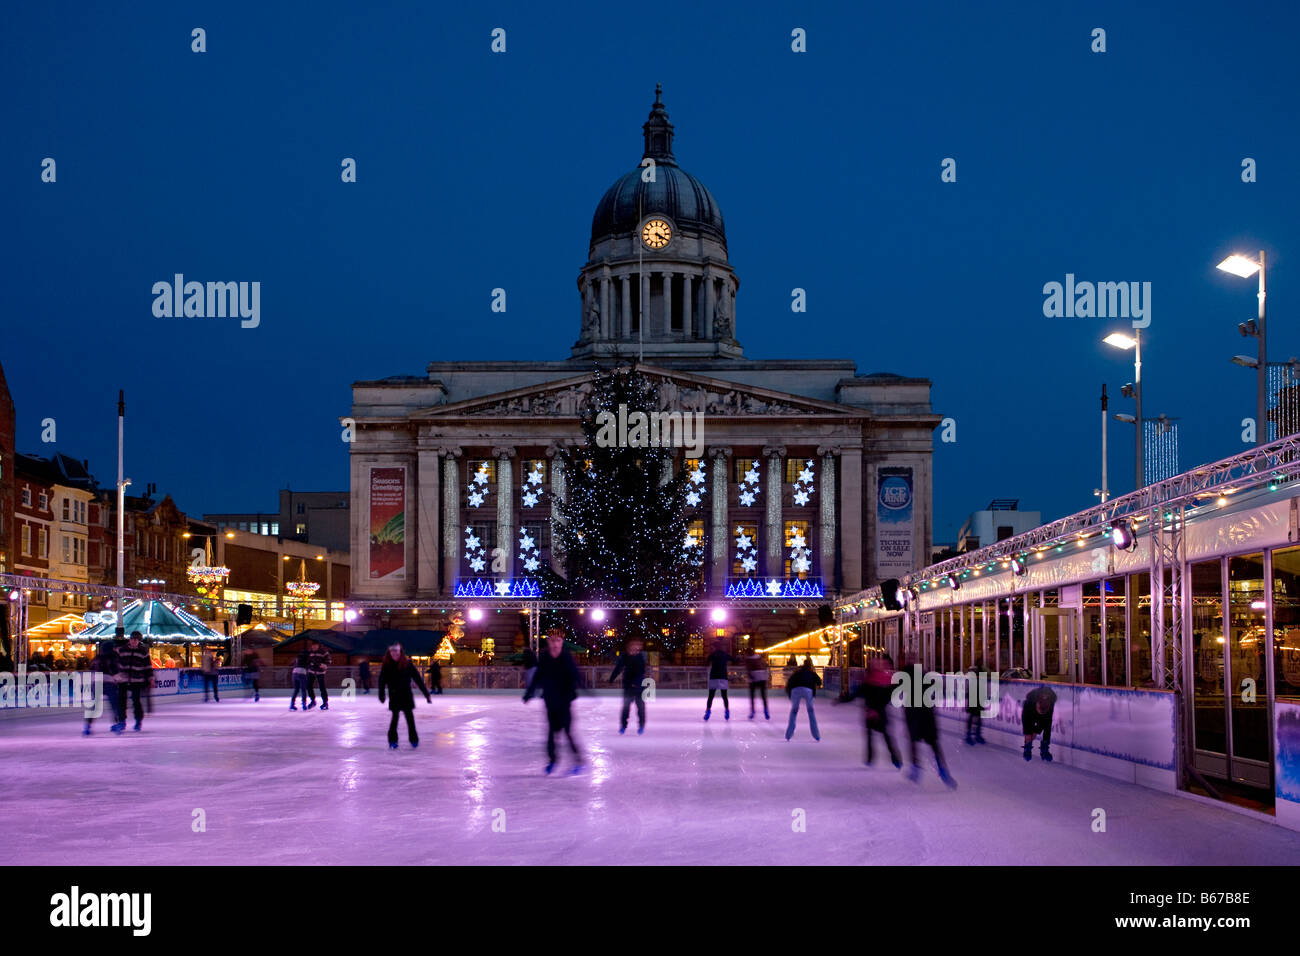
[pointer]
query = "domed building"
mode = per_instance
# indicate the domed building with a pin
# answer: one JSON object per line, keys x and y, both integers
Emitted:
{"x": 812, "y": 479}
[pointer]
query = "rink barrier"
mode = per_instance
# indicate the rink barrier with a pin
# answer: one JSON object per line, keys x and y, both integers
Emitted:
{"x": 1128, "y": 734}
{"x": 502, "y": 677}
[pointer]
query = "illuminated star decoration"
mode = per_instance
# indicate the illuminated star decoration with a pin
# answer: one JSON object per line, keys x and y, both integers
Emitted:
{"x": 529, "y": 553}
{"x": 746, "y": 549}
{"x": 477, "y": 564}
{"x": 530, "y": 499}
{"x": 800, "y": 553}
{"x": 774, "y": 588}
{"x": 502, "y": 588}
{"x": 803, "y": 485}
{"x": 535, "y": 477}
{"x": 693, "y": 498}
{"x": 750, "y": 486}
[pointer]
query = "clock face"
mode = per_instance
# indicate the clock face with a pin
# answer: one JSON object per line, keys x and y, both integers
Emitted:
{"x": 656, "y": 233}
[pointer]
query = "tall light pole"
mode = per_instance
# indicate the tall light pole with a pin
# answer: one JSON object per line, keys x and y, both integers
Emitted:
{"x": 1245, "y": 267}
{"x": 1122, "y": 340}
{"x": 1104, "y": 492}
{"x": 121, "y": 502}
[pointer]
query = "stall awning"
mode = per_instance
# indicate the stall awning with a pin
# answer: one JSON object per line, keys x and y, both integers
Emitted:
{"x": 156, "y": 621}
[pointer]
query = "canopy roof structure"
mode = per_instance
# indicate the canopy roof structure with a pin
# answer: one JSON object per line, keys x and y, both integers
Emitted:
{"x": 157, "y": 621}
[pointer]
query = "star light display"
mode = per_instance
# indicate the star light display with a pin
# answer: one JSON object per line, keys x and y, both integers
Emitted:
{"x": 487, "y": 588}
{"x": 746, "y": 550}
{"x": 622, "y": 531}
{"x": 474, "y": 551}
{"x": 800, "y": 553}
{"x": 530, "y": 555}
{"x": 751, "y": 486}
{"x": 695, "y": 491}
{"x": 803, "y": 485}
{"x": 532, "y": 490}
{"x": 758, "y": 588}
{"x": 478, "y": 488}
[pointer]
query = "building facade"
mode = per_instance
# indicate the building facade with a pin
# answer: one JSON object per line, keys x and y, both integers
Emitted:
{"x": 310, "y": 517}
{"x": 808, "y": 478}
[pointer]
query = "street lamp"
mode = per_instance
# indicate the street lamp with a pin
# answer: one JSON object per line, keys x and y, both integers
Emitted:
{"x": 1245, "y": 267}
{"x": 1122, "y": 340}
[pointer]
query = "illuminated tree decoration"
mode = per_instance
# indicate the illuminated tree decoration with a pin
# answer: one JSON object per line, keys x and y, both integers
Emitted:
{"x": 623, "y": 529}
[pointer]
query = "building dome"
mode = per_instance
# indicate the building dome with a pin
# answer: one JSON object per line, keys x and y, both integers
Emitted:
{"x": 674, "y": 193}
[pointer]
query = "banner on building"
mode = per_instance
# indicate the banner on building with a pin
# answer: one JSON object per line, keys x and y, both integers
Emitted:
{"x": 388, "y": 524}
{"x": 895, "y": 523}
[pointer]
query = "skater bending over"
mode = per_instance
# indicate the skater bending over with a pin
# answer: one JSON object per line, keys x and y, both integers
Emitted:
{"x": 556, "y": 679}
{"x": 395, "y": 678}
{"x": 1036, "y": 718}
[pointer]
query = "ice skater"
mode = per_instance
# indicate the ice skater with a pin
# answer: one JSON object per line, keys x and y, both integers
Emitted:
{"x": 557, "y": 679}
{"x": 318, "y": 662}
{"x": 396, "y": 675}
{"x": 137, "y": 675}
{"x": 922, "y": 728}
{"x": 1036, "y": 718}
{"x": 363, "y": 672}
{"x": 631, "y": 664}
{"x": 801, "y": 688}
{"x": 211, "y": 676}
{"x": 299, "y": 682}
{"x": 756, "y": 668}
{"x": 875, "y": 692}
{"x": 974, "y": 709}
{"x": 106, "y": 662}
{"x": 253, "y": 674}
{"x": 718, "y": 662}
{"x": 530, "y": 664}
{"x": 435, "y": 676}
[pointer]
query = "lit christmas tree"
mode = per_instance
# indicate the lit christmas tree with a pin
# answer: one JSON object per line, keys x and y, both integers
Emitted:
{"x": 624, "y": 529}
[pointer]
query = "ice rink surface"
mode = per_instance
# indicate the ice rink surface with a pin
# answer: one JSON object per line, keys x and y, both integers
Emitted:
{"x": 281, "y": 787}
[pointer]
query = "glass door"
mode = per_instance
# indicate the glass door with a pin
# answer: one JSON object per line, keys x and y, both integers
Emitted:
{"x": 1247, "y": 648}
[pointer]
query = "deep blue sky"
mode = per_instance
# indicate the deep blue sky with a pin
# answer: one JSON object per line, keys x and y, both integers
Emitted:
{"x": 479, "y": 170}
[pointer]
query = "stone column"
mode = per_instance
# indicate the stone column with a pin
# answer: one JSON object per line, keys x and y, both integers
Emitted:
{"x": 427, "y": 493}
{"x": 557, "y": 493}
{"x": 773, "y": 559}
{"x": 853, "y": 530}
{"x": 826, "y": 488}
{"x": 668, "y": 300}
{"x": 505, "y": 506}
{"x": 686, "y": 306}
{"x": 450, "y": 518}
{"x": 708, "y": 305}
{"x": 606, "y": 319}
{"x": 720, "y": 538}
{"x": 643, "y": 313}
{"x": 626, "y": 282}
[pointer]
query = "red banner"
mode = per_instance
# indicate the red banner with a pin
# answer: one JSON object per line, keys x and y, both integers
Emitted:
{"x": 387, "y": 524}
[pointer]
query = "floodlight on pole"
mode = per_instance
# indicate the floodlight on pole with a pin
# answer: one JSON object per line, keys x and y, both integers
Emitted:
{"x": 1245, "y": 267}
{"x": 1124, "y": 341}
{"x": 1245, "y": 361}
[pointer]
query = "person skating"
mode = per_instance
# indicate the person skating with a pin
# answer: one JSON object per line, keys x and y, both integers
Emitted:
{"x": 253, "y": 674}
{"x": 210, "y": 676}
{"x": 631, "y": 664}
{"x": 974, "y": 710}
{"x": 557, "y": 680}
{"x": 922, "y": 727}
{"x": 299, "y": 682}
{"x": 718, "y": 662}
{"x": 318, "y": 662}
{"x": 137, "y": 674}
{"x": 106, "y": 662}
{"x": 363, "y": 672}
{"x": 756, "y": 668}
{"x": 435, "y": 676}
{"x": 530, "y": 664}
{"x": 1036, "y": 718}
{"x": 801, "y": 688}
{"x": 396, "y": 675}
{"x": 875, "y": 692}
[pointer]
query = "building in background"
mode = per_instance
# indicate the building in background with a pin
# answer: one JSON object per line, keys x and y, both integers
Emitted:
{"x": 1002, "y": 519}
{"x": 261, "y": 568}
{"x": 811, "y": 477}
{"x": 310, "y": 517}
{"x": 8, "y": 426}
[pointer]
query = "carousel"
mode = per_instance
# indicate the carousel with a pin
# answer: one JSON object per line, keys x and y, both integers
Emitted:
{"x": 170, "y": 631}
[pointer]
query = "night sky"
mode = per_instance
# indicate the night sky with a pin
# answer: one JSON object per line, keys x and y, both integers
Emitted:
{"x": 479, "y": 170}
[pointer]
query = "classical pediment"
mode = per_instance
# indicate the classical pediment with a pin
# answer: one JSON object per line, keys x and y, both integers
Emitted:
{"x": 678, "y": 391}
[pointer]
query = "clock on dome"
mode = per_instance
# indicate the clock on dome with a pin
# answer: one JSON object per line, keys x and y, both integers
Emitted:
{"x": 656, "y": 234}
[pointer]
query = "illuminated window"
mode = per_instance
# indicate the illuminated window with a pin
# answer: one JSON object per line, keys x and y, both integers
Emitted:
{"x": 474, "y": 468}
{"x": 742, "y": 467}
{"x": 531, "y": 466}
{"x": 27, "y": 540}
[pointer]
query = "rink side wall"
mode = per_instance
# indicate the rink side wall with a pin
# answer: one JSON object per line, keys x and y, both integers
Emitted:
{"x": 1124, "y": 733}
{"x": 1286, "y": 768}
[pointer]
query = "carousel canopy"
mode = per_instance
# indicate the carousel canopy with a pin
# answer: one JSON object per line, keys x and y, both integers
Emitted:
{"x": 156, "y": 621}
